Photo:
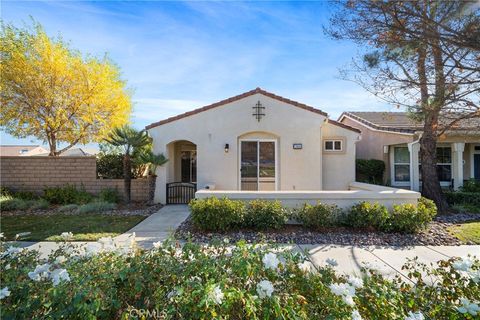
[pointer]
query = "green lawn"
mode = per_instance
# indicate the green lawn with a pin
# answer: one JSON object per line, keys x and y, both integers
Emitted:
{"x": 467, "y": 232}
{"x": 85, "y": 227}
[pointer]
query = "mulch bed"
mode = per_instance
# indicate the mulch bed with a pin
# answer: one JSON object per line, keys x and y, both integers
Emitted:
{"x": 133, "y": 209}
{"x": 436, "y": 234}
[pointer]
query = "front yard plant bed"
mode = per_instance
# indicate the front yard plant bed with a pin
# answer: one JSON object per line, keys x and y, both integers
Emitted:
{"x": 437, "y": 233}
{"x": 224, "y": 281}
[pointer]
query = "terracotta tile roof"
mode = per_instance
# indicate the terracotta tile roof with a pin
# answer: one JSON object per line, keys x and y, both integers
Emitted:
{"x": 401, "y": 122}
{"x": 236, "y": 98}
{"x": 336, "y": 123}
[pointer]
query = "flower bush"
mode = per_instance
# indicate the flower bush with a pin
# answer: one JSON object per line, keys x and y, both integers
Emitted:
{"x": 110, "y": 280}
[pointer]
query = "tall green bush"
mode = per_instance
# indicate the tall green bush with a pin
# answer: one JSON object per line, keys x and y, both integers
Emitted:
{"x": 215, "y": 214}
{"x": 319, "y": 215}
{"x": 262, "y": 214}
{"x": 410, "y": 218}
{"x": 367, "y": 214}
{"x": 370, "y": 171}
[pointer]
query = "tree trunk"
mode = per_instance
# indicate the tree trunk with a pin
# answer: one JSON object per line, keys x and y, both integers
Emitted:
{"x": 152, "y": 185}
{"x": 428, "y": 148}
{"x": 52, "y": 143}
{"x": 127, "y": 176}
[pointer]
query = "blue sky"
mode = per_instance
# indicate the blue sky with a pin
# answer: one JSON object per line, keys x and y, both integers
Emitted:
{"x": 178, "y": 56}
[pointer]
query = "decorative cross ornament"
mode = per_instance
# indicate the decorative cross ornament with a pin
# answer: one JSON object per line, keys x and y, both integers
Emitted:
{"x": 258, "y": 114}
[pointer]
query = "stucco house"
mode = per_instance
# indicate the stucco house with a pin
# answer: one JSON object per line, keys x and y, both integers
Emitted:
{"x": 255, "y": 141}
{"x": 394, "y": 138}
{"x": 21, "y": 150}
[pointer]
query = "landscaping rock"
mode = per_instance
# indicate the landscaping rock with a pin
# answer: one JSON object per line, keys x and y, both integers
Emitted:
{"x": 435, "y": 234}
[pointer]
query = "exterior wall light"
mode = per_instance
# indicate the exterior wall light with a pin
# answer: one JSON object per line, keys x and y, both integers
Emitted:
{"x": 227, "y": 147}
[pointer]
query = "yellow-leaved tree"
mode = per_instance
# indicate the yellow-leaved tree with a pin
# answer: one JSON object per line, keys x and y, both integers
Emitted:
{"x": 54, "y": 93}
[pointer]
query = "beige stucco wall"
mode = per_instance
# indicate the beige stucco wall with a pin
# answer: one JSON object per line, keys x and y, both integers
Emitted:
{"x": 212, "y": 129}
{"x": 344, "y": 199}
{"x": 339, "y": 167}
{"x": 372, "y": 142}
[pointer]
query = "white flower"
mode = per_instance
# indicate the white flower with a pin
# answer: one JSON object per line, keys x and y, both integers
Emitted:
{"x": 7, "y": 267}
{"x": 305, "y": 266}
{"x": 60, "y": 259}
{"x": 226, "y": 241}
{"x": 356, "y": 315}
{"x": 91, "y": 249}
{"x": 415, "y": 316}
{"x": 40, "y": 272}
{"x": 66, "y": 235}
{"x": 264, "y": 289}
{"x": 1, "y": 235}
{"x": 157, "y": 245}
{"x": 58, "y": 275}
{"x": 355, "y": 281}
{"x": 464, "y": 264}
{"x": 474, "y": 275}
{"x": 12, "y": 251}
{"x": 332, "y": 262}
{"x": 468, "y": 307}
{"x": 270, "y": 261}
{"x": 345, "y": 291}
{"x": 4, "y": 293}
{"x": 216, "y": 295}
{"x": 172, "y": 294}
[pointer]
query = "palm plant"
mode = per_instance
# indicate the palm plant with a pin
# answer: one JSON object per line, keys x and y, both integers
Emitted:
{"x": 153, "y": 161}
{"x": 129, "y": 139}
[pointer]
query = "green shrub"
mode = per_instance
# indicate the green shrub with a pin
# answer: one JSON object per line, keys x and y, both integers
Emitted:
{"x": 10, "y": 204}
{"x": 471, "y": 185}
{"x": 367, "y": 214}
{"x": 223, "y": 281}
{"x": 25, "y": 195}
{"x": 97, "y": 206}
{"x": 110, "y": 166}
{"x": 215, "y": 214}
{"x": 109, "y": 195}
{"x": 461, "y": 198}
{"x": 411, "y": 218}
{"x": 68, "y": 208}
{"x": 5, "y": 192}
{"x": 319, "y": 215}
{"x": 465, "y": 208}
{"x": 262, "y": 214}
{"x": 67, "y": 195}
{"x": 369, "y": 171}
{"x": 39, "y": 204}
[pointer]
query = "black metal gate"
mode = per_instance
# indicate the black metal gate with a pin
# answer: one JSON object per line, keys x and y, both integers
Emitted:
{"x": 180, "y": 192}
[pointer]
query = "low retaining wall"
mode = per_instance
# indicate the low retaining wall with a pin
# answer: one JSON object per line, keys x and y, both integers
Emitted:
{"x": 37, "y": 173}
{"x": 342, "y": 198}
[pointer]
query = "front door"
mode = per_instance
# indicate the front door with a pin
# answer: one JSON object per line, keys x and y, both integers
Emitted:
{"x": 476, "y": 166}
{"x": 257, "y": 165}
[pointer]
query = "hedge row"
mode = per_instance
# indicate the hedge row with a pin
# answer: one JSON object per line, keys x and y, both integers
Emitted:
{"x": 215, "y": 214}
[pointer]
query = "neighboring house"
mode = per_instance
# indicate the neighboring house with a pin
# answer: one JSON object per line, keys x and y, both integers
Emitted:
{"x": 393, "y": 137}
{"x": 256, "y": 141}
{"x": 75, "y": 152}
{"x": 21, "y": 150}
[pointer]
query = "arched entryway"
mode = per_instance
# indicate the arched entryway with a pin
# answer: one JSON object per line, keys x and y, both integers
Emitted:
{"x": 182, "y": 172}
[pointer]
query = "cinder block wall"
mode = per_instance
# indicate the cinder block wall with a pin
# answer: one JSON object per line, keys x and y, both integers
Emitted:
{"x": 36, "y": 173}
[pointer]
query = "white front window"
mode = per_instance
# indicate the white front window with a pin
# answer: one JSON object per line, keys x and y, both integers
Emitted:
{"x": 333, "y": 145}
{"x": 401, "y": 164}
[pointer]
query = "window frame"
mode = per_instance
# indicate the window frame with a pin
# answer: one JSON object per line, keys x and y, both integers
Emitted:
{"x": 395, "y": 182}
{"x": 334, "y": 140}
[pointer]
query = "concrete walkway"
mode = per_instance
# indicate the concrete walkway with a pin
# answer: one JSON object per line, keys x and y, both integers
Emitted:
{"x": 159, "y": 226}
